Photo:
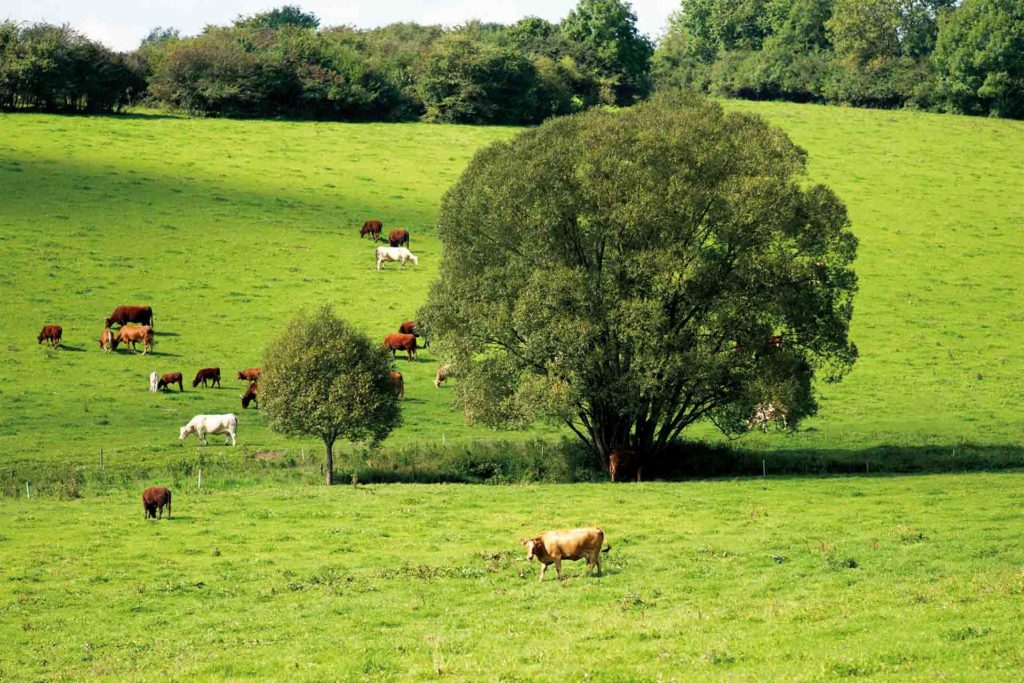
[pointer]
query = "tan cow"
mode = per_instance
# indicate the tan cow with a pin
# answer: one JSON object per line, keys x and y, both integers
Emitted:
{"x": 106, "y": 339}
{"x": 131, "y": 334}
{"x": 443, "y": 373}
{"x": 551, "y": 547}
{"x": 398, "y": 383}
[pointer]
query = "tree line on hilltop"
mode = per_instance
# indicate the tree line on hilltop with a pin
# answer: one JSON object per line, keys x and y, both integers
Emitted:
{"x": 941, "y": 55}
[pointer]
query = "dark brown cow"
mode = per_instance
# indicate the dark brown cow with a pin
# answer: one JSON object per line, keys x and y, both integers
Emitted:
{"x": 155, "y": 498}
{"x": 169, "y": 379}
{"x": 132, "y": 334}
{"x": 51, "y": 333}
{"x": 249, "y": 374}
{"x": 372, "y": 227}
{"x": 623, "y": 464}
{"x": 401, "y": 342}
{"x": 775, "y": 341}
{"x": 398, "y": 383}
{"x": 411, "y": 327}
{"x": 123, "y": 315}
{"x": 250, "y": 396}
{"x": 211, "y": 375}
{"x": 399, "y": 238}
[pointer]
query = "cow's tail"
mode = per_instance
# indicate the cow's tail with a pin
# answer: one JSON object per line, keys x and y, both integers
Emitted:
{"x": 168, "y": 505}
{"x": 606, "y": 548}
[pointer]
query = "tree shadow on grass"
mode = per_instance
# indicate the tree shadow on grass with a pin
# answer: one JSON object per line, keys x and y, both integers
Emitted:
{"x": 693, "y": 461}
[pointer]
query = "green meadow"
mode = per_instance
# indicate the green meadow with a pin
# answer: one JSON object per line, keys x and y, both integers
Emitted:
{"x": 913, "y": 578}
{"x": 227, "y": 228}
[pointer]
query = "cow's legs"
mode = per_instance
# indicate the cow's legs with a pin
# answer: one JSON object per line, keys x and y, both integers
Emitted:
{"x": 543, "y": 569}
{"x": 558, "y": 568}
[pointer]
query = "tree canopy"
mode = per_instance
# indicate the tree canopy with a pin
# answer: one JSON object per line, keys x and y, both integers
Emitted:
{"x": 623, "y": 273}
{"x": 324, "y": 378}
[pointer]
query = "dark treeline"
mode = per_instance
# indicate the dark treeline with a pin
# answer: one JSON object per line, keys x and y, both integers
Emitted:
{"x": 941, "y": 55}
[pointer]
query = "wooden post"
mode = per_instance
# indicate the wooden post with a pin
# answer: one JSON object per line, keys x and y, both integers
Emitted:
{"x": 200, "y": 478}
{"x": 764, "y": 468}
{"x": 27, "y": 495}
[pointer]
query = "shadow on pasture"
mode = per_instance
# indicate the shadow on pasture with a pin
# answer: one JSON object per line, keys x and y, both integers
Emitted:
{"x": 72, "y": 349}
{"x": 163, "y": 354}
{"x": 161, "y": 333}
{"x": 688, "y": 461}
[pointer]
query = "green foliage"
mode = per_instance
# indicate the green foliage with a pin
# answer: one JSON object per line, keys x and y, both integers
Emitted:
{"x": 56, "y": 69}
{"x": 742, "y": 580}
{"x": 980, "y": 56}
{"x": 621, "y": 272}
{"x": 604, "y": 37}
{"x": 280, "y": 17}
{"x": 324, "y": 378}
{"x": 463, "y": 80}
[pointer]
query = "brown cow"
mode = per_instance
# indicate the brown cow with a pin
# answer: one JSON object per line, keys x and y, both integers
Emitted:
{"x": 107, "y": 339}
{"x": 211, "y": 375}
{"x": 398, "y": 383}
{"x": 51, "y": 333}
{"x": 401, "y": 342}
{"x": 169, "y": 379}
{"x": 155, "y": 498}
{"x": 399, "y": 238}
{"x": 551, "y": 547}
{"x": 371, "y": 227}
{"x": 250, "y": 396}
{"x": 413, "y": 327}
{"x": 131, "y": 334}
{"x": 623, "y": 464}
{"x": 775, "y": 341}
{"x": 123, "y": 315}
{"x": 249, "y": 374}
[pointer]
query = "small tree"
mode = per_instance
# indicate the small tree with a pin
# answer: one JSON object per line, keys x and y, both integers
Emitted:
{"x": 324, "y": 378}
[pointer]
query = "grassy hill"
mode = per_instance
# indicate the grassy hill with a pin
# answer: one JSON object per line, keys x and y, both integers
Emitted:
{"x": 229, "y": 227}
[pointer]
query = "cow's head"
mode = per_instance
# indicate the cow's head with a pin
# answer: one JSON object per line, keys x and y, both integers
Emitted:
{"x": 534, "y": 548}
{"x": 108, "y": 322}
{"x": 412, "y": 257}
{"x": 184, "y": 432}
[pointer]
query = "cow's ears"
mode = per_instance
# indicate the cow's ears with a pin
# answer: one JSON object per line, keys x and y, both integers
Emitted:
{"x": 524, "y": 541}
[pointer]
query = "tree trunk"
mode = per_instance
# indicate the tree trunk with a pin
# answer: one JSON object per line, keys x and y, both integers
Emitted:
{"x": 329, "y": 470}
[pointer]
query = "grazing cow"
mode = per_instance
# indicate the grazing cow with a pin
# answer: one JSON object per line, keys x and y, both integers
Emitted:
{"x": 154, "y": 380}
{"x": 249, "y": 374}
{"x": 401, "y": 342}
{"x": 623, "y": 465}
{"x": 371, "y": 227}
{"x": 211, "y": 375}
{"x": 400, "y": 254}
{"x": 398, "y": 383}
{"x": 775, "y": 341}
{"x": 766, "y": 413}
{"x": 202, "y": 425}
{"x": 123, "y": 315}
{"x": 398, "y": 238}
{"x": 107, "y": 339}
{"x": 250, "y": 396}
{"x": 153, "y": 499}
{"x": 169, "y": 379}
{"x": 51, "y": 333}
{"x": 551, "y": 547}
{"x": 131, "y": 334}
{"x": 443, "y": 373}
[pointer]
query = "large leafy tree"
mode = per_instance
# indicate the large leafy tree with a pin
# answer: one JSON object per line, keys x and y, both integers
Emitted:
{"x": 980, "y": 55}
{"x": 324, "y": 378}
{"x": 624, "y": 272}
{"x": 604, "y": 37}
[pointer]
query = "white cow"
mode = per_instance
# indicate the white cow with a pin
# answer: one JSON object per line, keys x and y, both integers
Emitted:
{"x": 765, "y": 414}
{"x": 154, "y": 378}
{"x": 211, "y": 424}
{"x": 400, "y": 254}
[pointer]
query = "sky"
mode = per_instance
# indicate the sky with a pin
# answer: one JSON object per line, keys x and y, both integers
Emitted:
{"x": 121, "y": 24}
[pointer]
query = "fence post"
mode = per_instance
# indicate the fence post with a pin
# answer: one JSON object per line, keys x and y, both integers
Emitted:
{"x": 200, "y": 478}
{"x": 27, "y": 495}
{"x": 764, "y": 468}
